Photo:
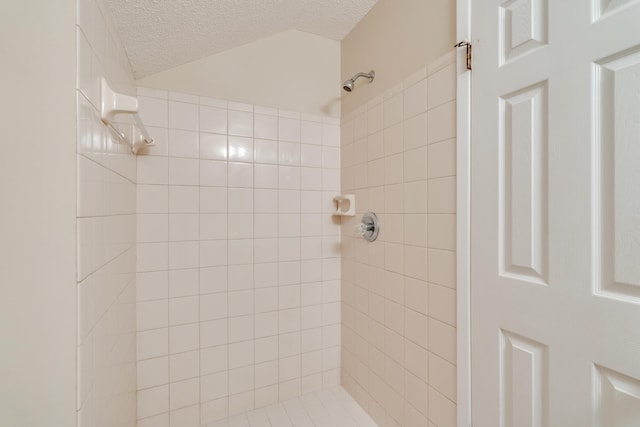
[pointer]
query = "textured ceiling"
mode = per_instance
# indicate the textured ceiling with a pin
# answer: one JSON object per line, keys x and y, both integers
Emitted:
{"x": 161, "y": 34}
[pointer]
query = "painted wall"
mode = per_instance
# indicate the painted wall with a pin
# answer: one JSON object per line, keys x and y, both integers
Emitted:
{"x": 291, "y": 70}
{"x": 399, "y": 297}
{"x": 106, "y": 224}
{"x": 38, "y": 227}
{"x": 238, "y": 258}
{"x": 396, "y": 38}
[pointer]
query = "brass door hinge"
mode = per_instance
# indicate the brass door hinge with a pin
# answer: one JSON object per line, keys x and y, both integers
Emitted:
{"x": 469, "y": 51}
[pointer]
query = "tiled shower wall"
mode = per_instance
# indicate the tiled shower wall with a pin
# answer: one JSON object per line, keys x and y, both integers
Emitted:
{"x": 399, "y": 296}
{"x": 238, "y": 258}
{"x": 106, "y": 221}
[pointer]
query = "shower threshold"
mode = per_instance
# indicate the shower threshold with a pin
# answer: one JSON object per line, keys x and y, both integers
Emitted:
{"x": 330, "y": 407}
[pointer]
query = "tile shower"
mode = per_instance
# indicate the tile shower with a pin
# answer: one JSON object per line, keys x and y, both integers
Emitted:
{"x": 246, "y": 291}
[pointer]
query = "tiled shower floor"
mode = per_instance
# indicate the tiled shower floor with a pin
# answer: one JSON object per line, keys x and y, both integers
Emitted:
{"x": 332, "y": 407}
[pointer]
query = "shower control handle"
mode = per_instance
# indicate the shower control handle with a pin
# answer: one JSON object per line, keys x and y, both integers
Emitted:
{"x": 369, "y": 227}
{"x": 362, "y": 228}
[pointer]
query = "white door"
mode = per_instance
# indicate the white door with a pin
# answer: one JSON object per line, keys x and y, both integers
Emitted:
{"x": 555, "y": 213}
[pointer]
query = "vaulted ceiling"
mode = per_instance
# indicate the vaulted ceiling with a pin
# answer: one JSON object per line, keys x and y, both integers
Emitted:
{"x": 161, "y": 34}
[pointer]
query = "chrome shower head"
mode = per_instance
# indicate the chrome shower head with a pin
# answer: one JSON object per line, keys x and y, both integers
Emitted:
{"x": 348, "y": 85}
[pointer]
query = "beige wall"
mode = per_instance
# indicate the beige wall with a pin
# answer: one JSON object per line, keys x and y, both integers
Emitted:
{"x": 396, "y": 38}
{"x": 37, "y": 249}
{"x": 291, "y": 70}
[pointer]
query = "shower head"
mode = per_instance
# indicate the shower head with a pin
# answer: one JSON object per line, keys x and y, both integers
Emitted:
{"x": 348, "y": 85}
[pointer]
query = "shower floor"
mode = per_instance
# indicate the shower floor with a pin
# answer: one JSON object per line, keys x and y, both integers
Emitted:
{"x": 331, "y": 407}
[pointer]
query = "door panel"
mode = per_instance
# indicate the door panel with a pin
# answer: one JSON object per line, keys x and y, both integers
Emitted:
{"x": 555, "y": 213}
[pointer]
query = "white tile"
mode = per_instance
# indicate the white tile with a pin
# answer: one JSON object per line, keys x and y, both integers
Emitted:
{"x": 184, "y": 393}
{"x": 152, "y": 257}
{"x": 240, "y": 303}
{"x": 442, "y": 122}
{"x": 415, "y": 99}
{"x": 289, "y": 320}
{"x": 240, "y": 380}
{"x": 392, "y": 110}
{"x": 183, "y": 282}
{"x": 240, "y": 175}
{"x": 183, "y": 116}
{"x": 152, "y": 315}
{"x": 266, "y": 151}
{"x": 183, "y": 310}
{"x": 152, "y": 228}
{"x": 330, "y": 134}
{"x": 152, "y": 372}
{"x": 289, "y": 177}
{"x": 266, "y": 324}
{"x": 183, "y": 255}
{"x": 289, "y": 129}
{"x": 240, "y": 123}
{"x": 152, "y": 285}
{"x": 240, "y": 277}
{"x": 183, "y": 338}
{"x": 213, "y": 119}
{"x": 266, "y": 374}
{"x": 266, "y": 349}
{"x": 213, "y": 226}
{"x": 442, "y": 86}
{"x": 241, "y": 402}
{"x": 240, "y": 149}
{"x": 214, "y": 386}
{"x": 213, "y": 146}
{"x": 213, "y": 173}
{"x": 240, "y": 200}
{"x": 183, "y": 366}
{"x": 266, "y": 176}
{"x": 266, "y": 126}
{"x": 183, "y": 199}
{"x": 213, "y": 253}
{"x": 152, "y": 199}
{"x": 415, "y": 131}
{"x": 153, "y": 170}
{"x": 311, "y": 155}
{"x": 153, "y": 401}
{"x": 213, "y": 359}
{"x": 213, "y": 333}
{"x": 183, "y": 143}
{"x": 183, "y": 227}
{"x": 153, "y": 111}
{"x": 289, "y": 226}
{"x": 289, "y": 201}
{"x": 213, "y": 200}
{"x": 213, "y": 306}
{"x": 289, "y": 153}
{"x": 241, "y": 328}
{"x": 311, "y": 132}
{"x": 311, "y": 179}
{"x": 241, "y": 354}
{"x": 266, "y": 273}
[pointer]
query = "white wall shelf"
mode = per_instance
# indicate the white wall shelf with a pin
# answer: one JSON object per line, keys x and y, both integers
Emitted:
{"x": 113, "y": 104}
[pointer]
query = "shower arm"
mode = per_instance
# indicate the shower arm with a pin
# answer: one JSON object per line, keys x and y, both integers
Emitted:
{"x": 370, "y": 75}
